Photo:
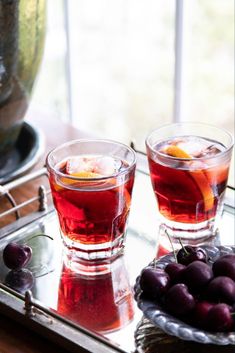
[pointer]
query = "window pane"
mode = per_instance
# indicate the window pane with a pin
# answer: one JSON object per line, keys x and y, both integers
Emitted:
{"x": 122, "y": 60}
{"x": 209, "y": 63}
{"x": 51, "y": 91}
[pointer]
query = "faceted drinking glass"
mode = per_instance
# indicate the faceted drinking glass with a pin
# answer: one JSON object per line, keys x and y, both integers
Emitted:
{"x": 189, "y": 165}
{"x": 91, "y": 182}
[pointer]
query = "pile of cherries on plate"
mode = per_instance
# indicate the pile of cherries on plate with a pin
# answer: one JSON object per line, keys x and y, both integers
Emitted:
{"x": 194, "y": 289}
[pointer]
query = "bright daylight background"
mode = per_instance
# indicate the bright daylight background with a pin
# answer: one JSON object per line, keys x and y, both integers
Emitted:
{"x": 112, "y": 71}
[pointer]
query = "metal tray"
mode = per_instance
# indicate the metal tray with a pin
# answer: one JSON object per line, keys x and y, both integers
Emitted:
{"x": 95, "y": 313}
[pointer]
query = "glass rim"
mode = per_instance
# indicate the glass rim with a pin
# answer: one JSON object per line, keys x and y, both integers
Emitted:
{"x": 98, "y": 178}
{"x": 227, "y": 149}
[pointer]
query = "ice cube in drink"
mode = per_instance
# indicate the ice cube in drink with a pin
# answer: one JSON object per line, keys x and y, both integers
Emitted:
{"x": 97, "y": 165}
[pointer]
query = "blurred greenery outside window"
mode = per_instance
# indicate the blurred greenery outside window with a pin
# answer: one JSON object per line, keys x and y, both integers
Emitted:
{"x": 109, "y": 65}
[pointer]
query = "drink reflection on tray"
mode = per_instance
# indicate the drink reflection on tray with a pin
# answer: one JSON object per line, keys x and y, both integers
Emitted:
{"x": 102, "y": 301}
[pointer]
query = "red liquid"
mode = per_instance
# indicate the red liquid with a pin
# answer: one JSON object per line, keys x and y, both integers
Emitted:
{"x": 188, "y": 196}
{"x": 92, "y": 212}
{"x": 101, "y": 303}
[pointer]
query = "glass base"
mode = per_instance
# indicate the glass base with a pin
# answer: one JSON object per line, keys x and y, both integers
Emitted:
{"x": 93, "y": 252}
{"x": 169, "y": 241}
{"x": 190, "y": 231}
{"x": 89, "y": 267}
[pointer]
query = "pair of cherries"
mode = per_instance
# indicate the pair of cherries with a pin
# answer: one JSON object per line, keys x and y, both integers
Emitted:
{"x": 16, "y": 257}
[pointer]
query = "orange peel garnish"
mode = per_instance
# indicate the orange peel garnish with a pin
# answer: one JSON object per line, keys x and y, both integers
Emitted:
{"x": 205, "y": 188}
{"x": 175, "y": 151}
{"x": 66, "y": 181}
{"x": 85, "y": 174}
{"x": 198, "y": 175}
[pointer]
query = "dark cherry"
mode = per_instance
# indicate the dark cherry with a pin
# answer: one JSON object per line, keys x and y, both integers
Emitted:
{"x": 174, "y": 270}
{"x": 154, "y": 282}
{"x": 20, "y": 280}
{"x": 221, "y": 289}
{"x": 178, "y": 300}
{"x": 220, "y": 319}
{"x": 188, "y": 254}
{"x": 200, "y": 313}
{"x": 225, "y": 266}
{"x": 16, "y": 256}
{"x": 196, "y": 275}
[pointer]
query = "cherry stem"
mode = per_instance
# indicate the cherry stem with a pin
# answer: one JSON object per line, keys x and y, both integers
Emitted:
{"x": 44, "y": 274}
{"x": 40, "y": 235}
{"x": 172, "y": 246}
{"x": 182, "y": 245}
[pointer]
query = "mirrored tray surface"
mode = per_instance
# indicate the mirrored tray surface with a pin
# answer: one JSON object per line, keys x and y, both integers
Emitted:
{"x": 99, "y": 306}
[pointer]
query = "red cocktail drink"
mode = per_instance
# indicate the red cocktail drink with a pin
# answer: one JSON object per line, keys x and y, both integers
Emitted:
{"x": 189, "y": 175}
{"x": 92, "y": 212}
{"x": 188, "y": 194}
{"x": 92, "y": 196}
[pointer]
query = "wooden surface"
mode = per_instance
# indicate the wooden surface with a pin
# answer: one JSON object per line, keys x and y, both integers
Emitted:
{"x": 13, "y": 337}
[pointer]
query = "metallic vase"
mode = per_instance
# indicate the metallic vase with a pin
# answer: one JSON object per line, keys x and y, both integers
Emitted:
{"x": 22, "y": 34}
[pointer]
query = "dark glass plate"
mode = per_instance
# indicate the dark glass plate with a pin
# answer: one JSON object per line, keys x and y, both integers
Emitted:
{"x": 25, "y": 154}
